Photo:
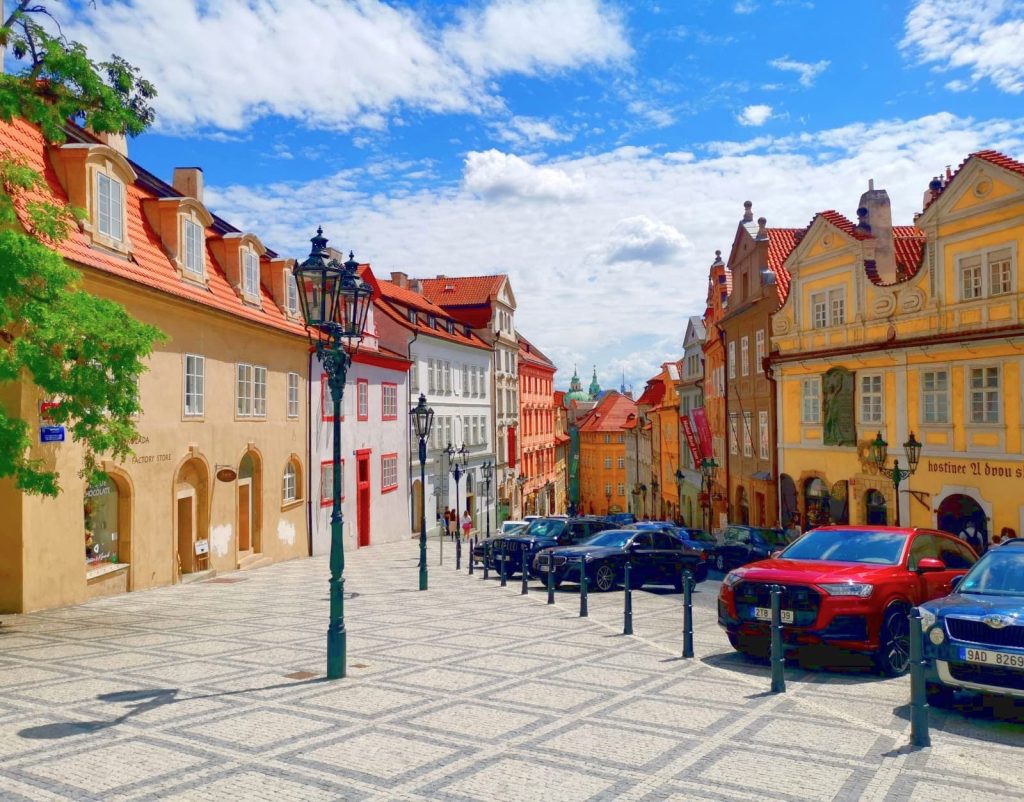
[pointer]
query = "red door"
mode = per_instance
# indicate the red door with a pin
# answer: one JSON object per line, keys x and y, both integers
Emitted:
{"x": 363, "y": 497}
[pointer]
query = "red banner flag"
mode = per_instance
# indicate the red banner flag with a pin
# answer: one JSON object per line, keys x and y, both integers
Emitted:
{"x": 704, "y": 431}
{"x": 691, "y": 440}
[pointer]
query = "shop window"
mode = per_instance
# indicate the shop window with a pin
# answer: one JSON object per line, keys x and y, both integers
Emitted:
{"x": 388, "y": 472}
{"x": 101, "y": 510}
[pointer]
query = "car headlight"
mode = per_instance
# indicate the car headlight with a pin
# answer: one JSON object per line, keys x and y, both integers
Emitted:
{"x": 733, "y": 578}
{"x": 927, "y": 619}
{"x": 937, "y": 636}
{"x": 859, "y": 589}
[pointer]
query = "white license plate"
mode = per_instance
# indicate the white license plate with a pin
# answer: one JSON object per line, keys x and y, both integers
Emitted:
{"x": 989, "y": 658}
{"x": 765, "y": 614}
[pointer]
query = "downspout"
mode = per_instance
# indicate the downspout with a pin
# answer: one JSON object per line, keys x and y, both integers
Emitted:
{"x": 728, "y": 430}
{"x": 309, "y": 454}
{"x": 775, "y": 426}
{"x": 408, "y": 439}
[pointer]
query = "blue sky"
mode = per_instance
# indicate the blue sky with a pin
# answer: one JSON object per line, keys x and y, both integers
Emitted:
{"x": 597, "y": 151}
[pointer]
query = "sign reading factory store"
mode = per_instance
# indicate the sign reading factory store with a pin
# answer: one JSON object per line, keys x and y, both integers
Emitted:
{"x": 837, "y": 403}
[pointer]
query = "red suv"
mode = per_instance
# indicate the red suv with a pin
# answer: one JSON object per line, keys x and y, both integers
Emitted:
{"x": 845, "y": 586}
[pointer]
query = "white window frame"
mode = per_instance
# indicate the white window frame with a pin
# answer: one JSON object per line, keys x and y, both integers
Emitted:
{"x": 259, "y": 391}
{"x": 748, "y": 445}
{"x": 810, "y": 400}
{"x": 732, "y": 360}
{"x": 289, "y": 483}
{"x": 250, "y": 273}
{"x": 759, "y": 351}
{"x": 745, "y": 356}
{"x": 293, "y": 395}
{"x": 763, "y": 435}
{"x": 192, "y": 234}
{"x": 291, "y": 294}
{"x": 109, "y": 207}
{"x": 981, "y": 264}
{"x": 986, "y": 393}
{"x": 932, "y": 395}
{"x": 243, "y": 390}
{"x": 431, "y": 377}
{"x": 819, "y": 310}
{"x": 362, "y": 400}
{"x": 734, "y": 447}
{"x": 195, "y": 408}
{"x": 871, "y": 402}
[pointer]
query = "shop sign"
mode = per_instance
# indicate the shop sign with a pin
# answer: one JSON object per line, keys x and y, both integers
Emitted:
{"x": 93, "y": 491}
{"x": 977, "y": 468}
{"x": 227, "y": 474}
{"x": 51, "y": 434}
{"x": 46, "y": 409}
{"x": 700, "y": 417}
{"x": 202, "y": 547}
{"x": 691, "y": 440}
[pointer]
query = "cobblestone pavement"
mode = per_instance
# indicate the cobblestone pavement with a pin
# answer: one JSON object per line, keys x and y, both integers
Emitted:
{"x": 467, "y": 692}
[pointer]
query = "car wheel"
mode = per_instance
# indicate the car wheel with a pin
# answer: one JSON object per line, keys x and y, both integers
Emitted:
{"x": 939, "y": 695}
{"x": 757, "y": 649}
{"x": 604, "y": 577}
{"x": 701, "y": 573}
{"x": 719, "y": 563}
{"x": 893, "y": 657}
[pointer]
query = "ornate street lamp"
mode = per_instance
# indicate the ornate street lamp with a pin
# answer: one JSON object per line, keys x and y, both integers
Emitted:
{"x": 456, "y": 465}
{"x": 708, "y": 469}
{"x": 335, "y": 302}
{"x": 879, "y": 453}
{"x": 679, "y": 491}
{"x": 488, "y": 472}
{"x": 654, "y": 499}
{"x": 608, "y": 502}
{"x": 422, "y": 419}
{"x": 520, "y": 481}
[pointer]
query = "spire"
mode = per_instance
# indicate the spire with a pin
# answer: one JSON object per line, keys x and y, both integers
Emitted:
{"x": 622, "y": 387}
{"x": 595, "y": 388}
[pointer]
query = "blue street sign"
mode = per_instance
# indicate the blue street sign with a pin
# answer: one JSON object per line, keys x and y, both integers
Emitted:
{"x": 51, "y": 434}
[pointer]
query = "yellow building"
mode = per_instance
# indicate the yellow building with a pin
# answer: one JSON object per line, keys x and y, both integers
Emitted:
{"x": 603, "y": 455}
{"x": 660, "y": 403}
{"x": 908, "y": 329}
{"x": 218, "y": 478}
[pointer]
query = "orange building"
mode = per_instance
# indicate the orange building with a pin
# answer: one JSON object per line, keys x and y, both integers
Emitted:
{"x": 719, "y": 289}
{"x": 603, "y": 455}
{"x": 660, "y": 403}
{"x": 536, "y": 428}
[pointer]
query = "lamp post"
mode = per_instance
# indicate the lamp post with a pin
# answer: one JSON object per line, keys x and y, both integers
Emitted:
{"x": 654, "y": 500}
{"x": 456, "y": 464}
{"x": 679, "y": 491}
{"x": 520, "y": 481}
{"x": 422, "y": 419}
{"x": 708, "y": 469}
{"x": 607, "y": 502}
{"x": 488, "y": 471}
{"x": 879, "y": 452}
{"x": 335, "y": 302}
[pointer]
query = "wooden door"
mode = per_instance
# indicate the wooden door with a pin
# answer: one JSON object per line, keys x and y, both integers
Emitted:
{"x": 363, "y": 498}
{"x": 244, "y": 515}
{"x": 186, "y": 533}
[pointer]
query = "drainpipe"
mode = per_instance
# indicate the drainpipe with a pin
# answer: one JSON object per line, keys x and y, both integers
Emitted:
{"x": 408, "y": 442}
{"x": 309, "y": 454}
{"x": 728, "y": 429}
{"x": 774, "y": 426}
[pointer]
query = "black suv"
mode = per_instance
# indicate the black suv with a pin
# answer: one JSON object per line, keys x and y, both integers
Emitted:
{"x": 542, "y": 533}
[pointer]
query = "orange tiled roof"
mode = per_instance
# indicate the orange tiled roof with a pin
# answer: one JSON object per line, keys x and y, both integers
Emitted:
{"x": 148, "y": 264}
{"x": 461, "y": 290}
{"x": 843, "y": 223}
{"x": 458, "y": 336}
{"x": 781, "y": 242}
{"x": 610, "y": 413}
{"x": 653, "y": 393}
{"x": 529, "y": 353}
{"x": 992, "y": 157}
{"x": 406, "y": 297}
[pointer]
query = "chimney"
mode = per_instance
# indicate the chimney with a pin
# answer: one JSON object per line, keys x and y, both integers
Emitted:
{"x": 762, "y": 228}
{"x": 188, "y": 181}
{"x": 118, "y": 142}
{"x": 875, "y": 217}
{"x": 400, "y": 279}
{"x": 748, "y": 211}
{"x": 415, "y": 285}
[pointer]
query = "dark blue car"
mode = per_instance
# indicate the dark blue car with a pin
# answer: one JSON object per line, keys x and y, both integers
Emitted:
{"x": 974, "y": 638}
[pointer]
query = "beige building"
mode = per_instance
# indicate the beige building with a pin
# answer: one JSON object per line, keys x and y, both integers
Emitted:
{"x": 217, "y": 480}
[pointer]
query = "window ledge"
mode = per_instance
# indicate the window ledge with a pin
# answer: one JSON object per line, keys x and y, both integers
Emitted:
{"x": 985, "y": 427}
{"x": 291, "y": 505}
{"x": 104, "y": 569}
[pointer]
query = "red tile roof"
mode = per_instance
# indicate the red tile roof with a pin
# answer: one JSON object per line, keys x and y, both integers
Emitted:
{"x": 908, "y": 243}
{"x": 781, "y": 242}
{"x": 610, "y": 413}
{"x": 148, "y": 265}
{"x": 461, "y": 290}
{"x": 992, "y": 157}
{"x": 529, "y": 353}
{"x": 653, "y": 393}
{"x": 390, "y": 305}
{"x": 843, "y": 223}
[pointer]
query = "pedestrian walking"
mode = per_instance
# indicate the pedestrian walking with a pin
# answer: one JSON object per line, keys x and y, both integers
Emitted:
{"x": 467, "y": 524}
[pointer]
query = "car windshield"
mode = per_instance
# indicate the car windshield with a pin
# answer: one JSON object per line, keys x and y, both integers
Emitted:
{"x": 848, "y": 546}
{"x": 999, "y": 573}
{"x": 773, "y": 537}
{"x": 613, "y": 538}
{"x": 696, "y": 534}
{"x": 545, "y": 527}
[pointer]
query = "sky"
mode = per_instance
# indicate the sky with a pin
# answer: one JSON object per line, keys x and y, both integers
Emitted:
{"x": 597, "y": 151}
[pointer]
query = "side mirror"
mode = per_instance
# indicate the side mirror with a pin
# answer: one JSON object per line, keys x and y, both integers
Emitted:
{"x": 930, "y": 564}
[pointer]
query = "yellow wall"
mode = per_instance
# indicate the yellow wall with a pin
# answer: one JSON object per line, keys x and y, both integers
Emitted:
{"x": 594, "y": 476}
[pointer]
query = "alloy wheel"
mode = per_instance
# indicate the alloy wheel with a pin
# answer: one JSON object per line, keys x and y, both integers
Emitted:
{"x": 895, "y": 651}
{"x": 604, "y": 577}
{"x": 719, "y": 562}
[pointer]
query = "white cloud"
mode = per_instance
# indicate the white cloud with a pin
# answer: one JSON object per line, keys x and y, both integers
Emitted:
{"x": 641, "y": 239}
{"x": 755, "y": 115}
{"x": 745, "y": 7}
{"x": 523, "y": 131}
{"x": 571, "y": 304}
{"x": 658, "y": 117}
{"x": 807, "y": 71}
{"x": 343, "y": 64}
{"x": 985, "y": 37}
{"x": 496, "y": 175}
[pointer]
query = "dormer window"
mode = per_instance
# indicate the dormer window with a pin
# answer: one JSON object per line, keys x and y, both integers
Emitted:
{"x": 250, "y": 274}
{"x": 432, "y": 321}
{"x": 109, "y": 207}
{"x": 412, "y": 315}
{"x": 193, "y": 236}
{"x": 291, "y": 290}
{"x": 451, "y": 326}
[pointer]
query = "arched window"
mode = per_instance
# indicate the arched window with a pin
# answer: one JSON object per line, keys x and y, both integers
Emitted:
{"x": 291, "y": 484}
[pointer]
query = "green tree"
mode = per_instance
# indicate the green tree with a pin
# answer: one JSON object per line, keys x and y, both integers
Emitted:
{"x": 83, "y": 351}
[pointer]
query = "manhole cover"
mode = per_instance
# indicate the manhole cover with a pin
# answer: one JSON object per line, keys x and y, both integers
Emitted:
{"x": 300, "y": 675}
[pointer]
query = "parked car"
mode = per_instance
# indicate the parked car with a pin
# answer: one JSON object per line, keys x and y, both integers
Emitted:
{"x": 622, "y": 518}
{"x": 846, "y": 586}
{"x": 540, "y": 534}
{"x": 482, "y": 551}
{"x": 657, "y": 558}
{"x": 746, "y": 544}
{"x": 974, "y": 638}
{"x": 512, "y": 527}
{"x": 703, "y": 543}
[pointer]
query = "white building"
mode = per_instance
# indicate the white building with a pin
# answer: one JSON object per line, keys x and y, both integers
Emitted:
{"x": 691, "y": 397}
{"x": 486, "y": 303}
{"x": 374, "y": 443}
{"x": 451, "y": 366}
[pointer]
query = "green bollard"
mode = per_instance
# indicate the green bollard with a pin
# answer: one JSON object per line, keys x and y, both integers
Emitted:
{"x": 551, "y": 579}
{"x": 687, "y": 613}
{"x": 778, "y": 655}
{"x": 526, "y": 577}
{"x": 584, "y": 582}
{"x": 627, "y": 613}
{"x": 472, "y": 552}
{"x": 458, "y": 552}
{"x": 918, "y": 694}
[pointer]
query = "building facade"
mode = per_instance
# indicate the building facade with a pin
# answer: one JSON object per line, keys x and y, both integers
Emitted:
{"x": 715, "y": 498}
{"x": 602, "y": 438}
{"x": 537, "y": 427}
{"x": 217, "y": 479}
{"x": 690, "y": 390}
{"x": 894, "y": 330}
{"x": 562, "y": 451}
{"x": 759, "y": 286}
{"x": 659, "y": 403}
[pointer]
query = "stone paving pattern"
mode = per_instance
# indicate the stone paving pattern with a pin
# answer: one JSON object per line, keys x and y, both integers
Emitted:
{"x": 466, "y": 692}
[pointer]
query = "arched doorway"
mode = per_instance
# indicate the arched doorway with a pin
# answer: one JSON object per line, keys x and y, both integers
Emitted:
{"x": 191, "y": 514}
{"x": 839, "y": 502}
{"x": 742, "y": 505}
{"x": 816, "y": 503}
{"x": 417, "y": 505}
{"x": 787, "y": 494}
{"x": 875, "y": 511}
{"x": 250, "y": 494}
{"x": 962, "y": 516}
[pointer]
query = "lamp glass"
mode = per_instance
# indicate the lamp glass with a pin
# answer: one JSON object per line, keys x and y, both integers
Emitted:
{"x": 422, "y": 417}
{"x": 354, "y": 300}
{"x": 913, "y": 450}
{"x": 879, "y": 450}
{"x": 318, "y": 278}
